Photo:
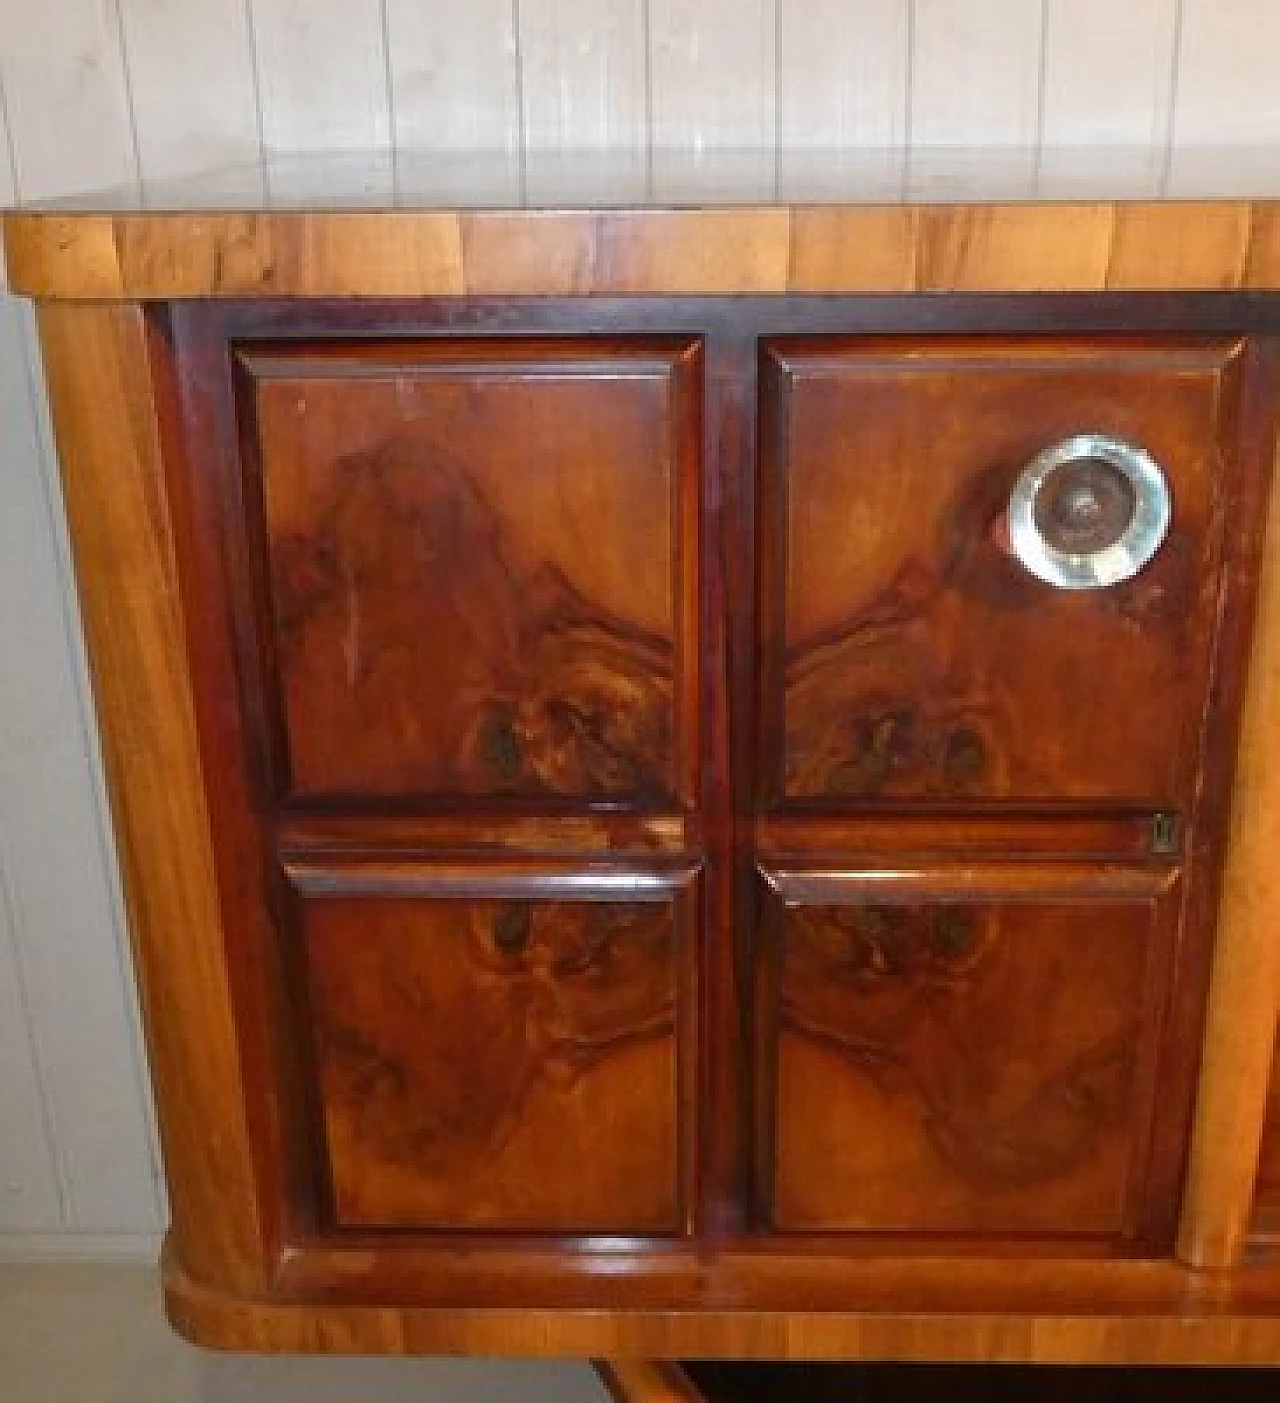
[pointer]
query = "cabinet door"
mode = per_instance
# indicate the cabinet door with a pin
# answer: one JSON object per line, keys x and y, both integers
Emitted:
{"x": 444, "y": 588}
{"x": 947, "y": 1063}
{"x": 479, "y": 565}
{"x": 907, "y": 653}
{"x": 506, "y": 1061}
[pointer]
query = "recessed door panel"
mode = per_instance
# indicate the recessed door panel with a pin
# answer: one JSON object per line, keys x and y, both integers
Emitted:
{"x": 956, "y": 1065}
{"x": 480, "y": 565}
{"x": 504, "y": 1062}
{"x": 909, "y": 652}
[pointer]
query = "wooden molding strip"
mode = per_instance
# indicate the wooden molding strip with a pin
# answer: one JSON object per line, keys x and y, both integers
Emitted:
{"x": 1028, "y": 247}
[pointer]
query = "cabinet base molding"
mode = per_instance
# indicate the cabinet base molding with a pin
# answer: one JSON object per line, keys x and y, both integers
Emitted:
{"x": 1239, "y": 1325}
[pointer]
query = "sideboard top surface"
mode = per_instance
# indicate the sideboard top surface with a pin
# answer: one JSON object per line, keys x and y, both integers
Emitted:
{"x": 659, "y": 223}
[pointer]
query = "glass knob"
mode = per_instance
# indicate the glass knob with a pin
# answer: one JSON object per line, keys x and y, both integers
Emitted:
{"x": 1091, "y": 511}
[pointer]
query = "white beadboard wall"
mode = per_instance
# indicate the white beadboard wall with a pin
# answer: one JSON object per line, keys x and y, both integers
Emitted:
{"x": 102, "y": 92}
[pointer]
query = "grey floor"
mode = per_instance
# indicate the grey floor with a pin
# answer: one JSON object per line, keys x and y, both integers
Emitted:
{"x": 77, "y": 1333}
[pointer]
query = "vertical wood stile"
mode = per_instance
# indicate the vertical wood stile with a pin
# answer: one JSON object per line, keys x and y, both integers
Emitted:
{"x": 1240, "y": 1031}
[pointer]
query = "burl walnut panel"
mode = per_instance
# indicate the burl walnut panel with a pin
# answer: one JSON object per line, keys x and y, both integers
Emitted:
{"x": 481, "y": 565}
{"x": 908, "y": 655}
{"x": 951, "y": 1067}
{"x": 497, "y": 1064}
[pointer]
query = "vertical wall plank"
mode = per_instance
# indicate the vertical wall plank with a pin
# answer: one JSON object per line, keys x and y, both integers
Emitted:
{"x": 322, "y": 74}
{"x": 8, "y": 177}
{"x": 1108, "y": 71}
{"x": 842, "y": 88}
{"x": 29, "y": 1199}
{"x": 193, "y": 86}
{"x": 584, "y": 74}
{"x": 584, "y": 87}
{"x": 68, "y": 96}
{"x": 842, "y": 74}
{"x": 975, "y": 73}
{"x": 68, "y": 941}
{"x": 1228, "y": 88}
{"x": 712, "y": 78}
{"x": 455, "y": 82}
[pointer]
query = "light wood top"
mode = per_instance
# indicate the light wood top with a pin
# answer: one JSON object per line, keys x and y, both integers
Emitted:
{"x": 728, "y": 223}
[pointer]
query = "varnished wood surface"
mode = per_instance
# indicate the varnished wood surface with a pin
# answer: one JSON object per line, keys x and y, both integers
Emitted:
{"x": 1060, "y": 247}
{"x": 462, "y": 1045}
{"x": 906, "y": 654}
{"x": 1266, "y": 1203}
{"x": 422, "y": 976}
{"x": 1240, "y": 1039}
{"x": 481, "y": 568}
{"x": 962, "y": 1069}
{"x": 1178, "y": 1326}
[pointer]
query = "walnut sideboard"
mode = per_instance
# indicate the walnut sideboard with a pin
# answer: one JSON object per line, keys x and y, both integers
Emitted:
{"x": 693, "y": 781}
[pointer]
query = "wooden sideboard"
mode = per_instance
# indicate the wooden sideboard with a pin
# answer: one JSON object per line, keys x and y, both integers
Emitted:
{"x": 693, "y": 781}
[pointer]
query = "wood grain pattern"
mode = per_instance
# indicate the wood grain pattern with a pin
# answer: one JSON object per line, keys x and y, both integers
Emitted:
{"x": 1240, "y": 1037}
{"x": 1266, "y": 1185}
{"x": 480, "y": 567}
{"x": 960, "y": 1069}
{"x": 498, "y": 1064}
{"x": 1068, "y": 247}
{"x": 1039, "y": 1096}
{"x": 101, "y": 393}
{"x": 909, "y": 655}
{"x": 1166, "y": 1320}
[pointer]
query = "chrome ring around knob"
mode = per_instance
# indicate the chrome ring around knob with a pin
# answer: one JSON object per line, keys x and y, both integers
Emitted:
{"x": 1136, "y": 483}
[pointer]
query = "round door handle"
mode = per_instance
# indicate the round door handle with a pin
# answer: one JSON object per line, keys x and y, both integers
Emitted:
{"x": 1088, "y": 512}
